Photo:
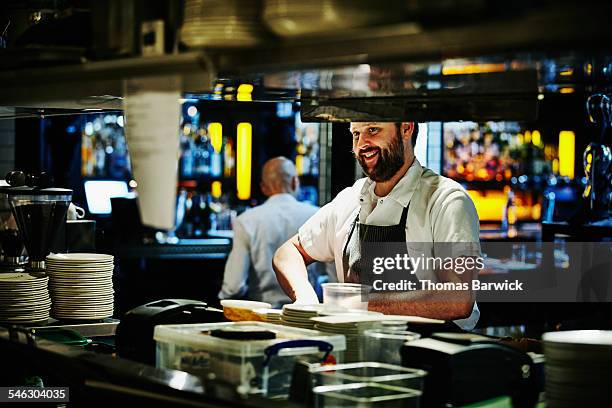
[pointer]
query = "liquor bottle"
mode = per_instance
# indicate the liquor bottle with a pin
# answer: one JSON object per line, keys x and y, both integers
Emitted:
{"x": 229, "y": 160}
{"x": 203, "y": 153}
{"x": 509, "y": 212}
{"x": 186, "y": 160}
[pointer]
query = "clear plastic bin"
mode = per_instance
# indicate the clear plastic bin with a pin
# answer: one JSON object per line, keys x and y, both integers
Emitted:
{"x": 384, "y": 344}
{"x": 340, "y": 296}
{"x": 364, "y": 395}
{"x": 254, "y": 366}
{"x": 369, "y": 372}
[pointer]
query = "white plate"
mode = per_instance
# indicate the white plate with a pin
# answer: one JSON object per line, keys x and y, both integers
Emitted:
{"x": 59, "y": 295}
{"x": 82, "y": 316}
{"x": 84, "y": 281}
{"x": 92, "y": 274}
{"x": 80, "y": 269}
{"x": 24, "y": 297}
{"x": 79, "y": 257}
{"x": 83, "y": 309}
{"x": 18, "y": 276}
{"x": 584, "y": 337}
{"x": 81, "y": 286}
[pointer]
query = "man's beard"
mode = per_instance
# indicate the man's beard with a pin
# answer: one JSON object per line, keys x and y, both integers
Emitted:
{"x": 390, "y": 160}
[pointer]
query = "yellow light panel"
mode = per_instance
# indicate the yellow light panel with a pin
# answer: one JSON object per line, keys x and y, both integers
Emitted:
{"x": 536, "y": 138}
{"x": 567, "y": 150}
{"x": 299, "y": 164}
{"x": 489, "y": 205}
{"x": 244, "y": 93}
{"x": 215, "y": 189}
{"x": 472, "y": 69}
{"x": 244, "y": 142}
{"x": 215, "y": 130}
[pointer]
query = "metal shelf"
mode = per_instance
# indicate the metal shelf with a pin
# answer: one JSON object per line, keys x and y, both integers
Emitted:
{"x": 98, "y": 85}
{"x": 580, "y": 28}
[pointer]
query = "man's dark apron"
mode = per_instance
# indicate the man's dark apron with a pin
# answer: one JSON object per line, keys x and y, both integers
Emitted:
{"x": 356, "y": 261}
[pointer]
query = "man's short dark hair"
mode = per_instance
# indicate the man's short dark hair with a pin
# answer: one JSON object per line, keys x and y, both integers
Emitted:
{"x": 415, "y": 131}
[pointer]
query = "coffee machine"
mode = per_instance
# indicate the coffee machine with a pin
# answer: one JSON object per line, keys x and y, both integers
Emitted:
{"x": 12, "y": 249}
{"x": 39, "y": 212}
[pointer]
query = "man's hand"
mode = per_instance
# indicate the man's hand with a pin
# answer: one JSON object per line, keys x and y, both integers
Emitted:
{"x": 289, "y": 263}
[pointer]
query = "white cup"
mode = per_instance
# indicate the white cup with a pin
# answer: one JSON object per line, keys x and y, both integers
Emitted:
{"x": 75, "y": 212}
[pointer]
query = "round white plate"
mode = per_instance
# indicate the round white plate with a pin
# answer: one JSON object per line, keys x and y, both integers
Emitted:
{"x": 80, "y": 257}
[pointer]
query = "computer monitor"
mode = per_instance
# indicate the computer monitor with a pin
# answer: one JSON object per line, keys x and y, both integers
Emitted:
{"x": 99, "y": 193}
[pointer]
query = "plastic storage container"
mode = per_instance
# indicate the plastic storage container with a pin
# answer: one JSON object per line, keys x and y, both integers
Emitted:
{"x": 364, "y": 395}
{"x": 384, "y": 344}
{"x": 254, "y": 366}
{"x": 339, "y": 296}
{"x": 369, "y": 372}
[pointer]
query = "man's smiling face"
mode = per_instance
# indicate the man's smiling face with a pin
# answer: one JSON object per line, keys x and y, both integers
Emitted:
{"x": 379, "y": 149}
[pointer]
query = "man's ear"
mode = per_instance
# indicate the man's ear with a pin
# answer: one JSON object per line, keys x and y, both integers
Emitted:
{"x": 407, "y": 128}
{"x": 295, "y": 183}
{"x": 264, "y": 188}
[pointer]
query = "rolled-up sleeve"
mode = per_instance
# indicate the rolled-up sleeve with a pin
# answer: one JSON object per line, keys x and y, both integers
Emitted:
{"x": 237, "y": 267}
{"x": 454, "y": 220}
{"x": 316, "y": 236}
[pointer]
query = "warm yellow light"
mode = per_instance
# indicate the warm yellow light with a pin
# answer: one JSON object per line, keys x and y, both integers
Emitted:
{"x": 536, "y": 212}
{"x": 536, "y": 138}
{"x": 567, "y": 72}
{"x": 567, "y": 150}
{"x": 299, "y": 164}
{"x": 489, "y": 205}
{"x": 527, "y": 136}
{"x": 243, "y": 166}
{"x": 482, "y": 174}
{"x": 472, "y": 69}
{"x": 215, "y": 130}
{"x": 566, "y": 90}
{"x": 215, "y": 189}
{"x": 244, "y": 93}
{"x": 555, "y": 165}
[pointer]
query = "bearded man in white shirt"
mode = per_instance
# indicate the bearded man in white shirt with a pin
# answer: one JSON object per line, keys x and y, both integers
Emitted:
{"x": 399, "y": 201}
{"x": 260, "y": 231}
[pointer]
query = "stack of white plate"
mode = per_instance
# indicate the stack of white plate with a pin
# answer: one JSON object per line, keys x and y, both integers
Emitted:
{"x": 578, "y": 368}
{"x": 290, "y": 18}
{"x": 81, "y": 285}
{"x": 221, "y": 23}
{"x": 269, "y": 315}
{"x": 24, "y": 298}
{"x": 300, "y": 315}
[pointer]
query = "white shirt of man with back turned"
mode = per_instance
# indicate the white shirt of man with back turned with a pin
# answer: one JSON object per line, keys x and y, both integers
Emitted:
{"x": 260, "y": 231}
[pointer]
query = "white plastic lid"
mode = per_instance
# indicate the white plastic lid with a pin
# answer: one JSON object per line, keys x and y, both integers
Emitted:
{"x": 190, "y": 335}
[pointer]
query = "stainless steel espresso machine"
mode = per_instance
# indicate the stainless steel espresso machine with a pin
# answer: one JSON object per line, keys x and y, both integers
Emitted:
{"x": 13, "y": 257}
{"x": 39, "y": 212}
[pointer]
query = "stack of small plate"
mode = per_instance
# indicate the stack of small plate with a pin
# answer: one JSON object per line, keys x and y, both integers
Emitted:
{"x": 221, "y": 23}
{"x": 578, "y": 368}
{"x": 24, "y": 298}
{"x": 352, "y": 327}
{"x": 81, "y": 285}
{"x": 269, "y": 315}
{"x": 300, "y": 315}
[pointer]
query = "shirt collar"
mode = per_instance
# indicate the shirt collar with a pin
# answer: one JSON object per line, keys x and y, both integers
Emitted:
{"x": 280, "y": 197}
{"x": 403, "y": 190}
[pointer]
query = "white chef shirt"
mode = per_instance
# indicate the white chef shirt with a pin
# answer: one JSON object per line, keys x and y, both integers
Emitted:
{"x": 258, "y": 233}
{"x": 440, "y": 211}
